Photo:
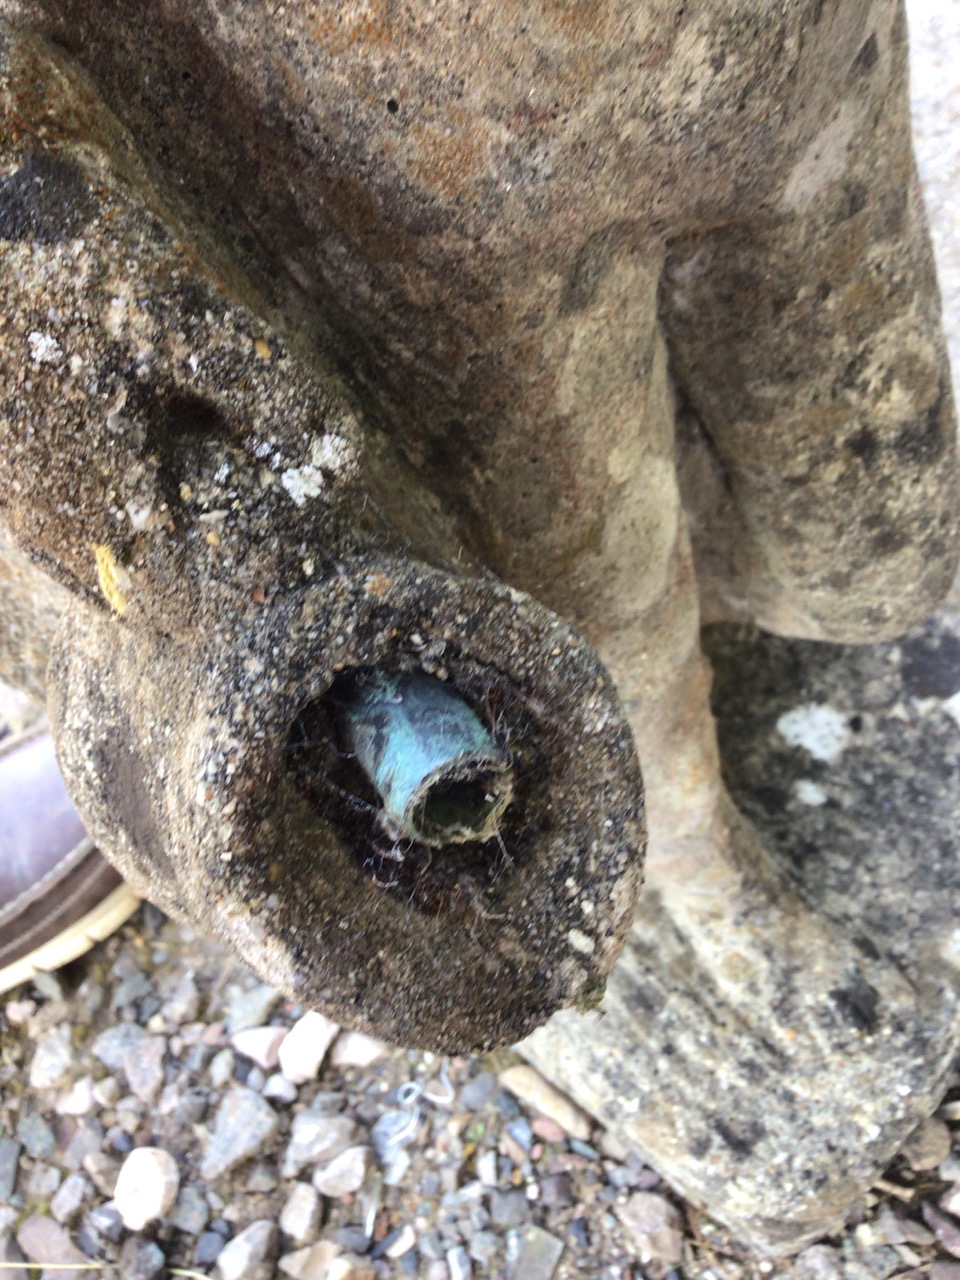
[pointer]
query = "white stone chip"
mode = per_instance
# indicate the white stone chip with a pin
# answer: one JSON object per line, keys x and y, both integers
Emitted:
{"x": 354, "y": 1049}
{"x": 300, "y": 1216}
{"x": 262, "y": 1044}
{"x": 305, "y": 1047}
{"x": 147, "y": 1186}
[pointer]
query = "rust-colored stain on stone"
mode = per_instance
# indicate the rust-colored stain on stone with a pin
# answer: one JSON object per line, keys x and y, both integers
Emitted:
{"x": 342, "y": 27}
{"x": 453, "y": 154}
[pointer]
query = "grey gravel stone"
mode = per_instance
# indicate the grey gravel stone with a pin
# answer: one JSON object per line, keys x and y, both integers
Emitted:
{"x": 476, "y": 1093}
{"x": 458, "y": 1263}
{"x": 143, "y": 1067}
{"x": 43, "y": 1240}
{"x": 538, "y": 1255}
{"x": 183, "y": 1004}
{"x": 315, "y": 1136}
{"x": 36, "y": 1135}
{"x": 508, "y": 1208}
{"x": 221, "y": 1068}
{"x": 10, "y": 1255}
{"x": 249, "y": 1255}
{"x": 655, "y": 1225}
{"x": 484, "y": 1246}
{"x": 9, "y": 1163}
{"x": 68, "y": 1201}
{"x": 41, "y": 1182}
{"x": 243, "y": 1123}
{"x": 208, "y": 1248}
{"x": 250, "y": 1005}
{"x": 344, "y": 1174}
{"x": 86, "y": 1141}
{"x": 141, "y": 1259}
{"x": 103, "y": 1170}
{"x": 105, "y": 1221}
{"x": 117, "y": 1043}
{"x": 191, "y": 1213}
{"x": 52, "y": 1058}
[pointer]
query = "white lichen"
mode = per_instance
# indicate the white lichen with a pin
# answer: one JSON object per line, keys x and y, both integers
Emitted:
{"x": 329, "y": 455}
{"x": 818, "y": 728}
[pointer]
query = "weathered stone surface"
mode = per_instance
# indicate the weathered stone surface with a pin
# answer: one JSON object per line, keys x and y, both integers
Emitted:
{"x": 504, "y": 279}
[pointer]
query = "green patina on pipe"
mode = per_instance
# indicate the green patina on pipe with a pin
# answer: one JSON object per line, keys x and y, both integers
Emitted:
{"x": 441, "y": 777}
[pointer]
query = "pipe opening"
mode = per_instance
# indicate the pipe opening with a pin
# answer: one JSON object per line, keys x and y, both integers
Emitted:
{"x": 436, "y": 788}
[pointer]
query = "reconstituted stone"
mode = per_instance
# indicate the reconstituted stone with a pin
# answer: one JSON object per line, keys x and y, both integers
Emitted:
{"x": 243, "y": 1124}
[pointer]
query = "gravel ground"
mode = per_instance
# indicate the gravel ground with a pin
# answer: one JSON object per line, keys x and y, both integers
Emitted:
{"x": 163, "y": 1113}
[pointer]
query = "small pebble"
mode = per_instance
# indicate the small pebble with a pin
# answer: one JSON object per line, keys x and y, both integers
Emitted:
{"x": 928, "y": 1146}
{"x": 250, "y": 1006}
{"x": 43, "y": 1240}
{"x": 68, "y": 1201}
{"x": 458, "y": 1263}
{"x": 249, "y": 1255}
{"x": 538, "y": 1254}
{"x": 208, "y": 1248}
{"x": 261, "y": 1044}
{"x": 9, "y": 1164}
{"x": 103, "y": 1171}
{"x": 402, "y": 1242}
{"x": 36, "y": 1136}
{"x": 315, "y": 1136}
{"x": 305, "y": 1046}
{"x": 52, "y": 1059}
{"x": 508, "y": 1208}
{"x": 531, "y": 1088}
{"x": 141, "y": 1260}
{"x": 78, "y": 1100}
{"x": 244, "y": 1123}
{"x": 344, "y": 1174}
{"x": 280, "y": 1088}
{"x": 310, "y": 1263}
{"x": 354, "y": 1049}
{"x": 221, "y": 1068}
{"x": 479, "y": 1091}
{"x": 655, "y": 1225}
{"x": 146, "y": 1187}
{"x": 300, "y": 1216}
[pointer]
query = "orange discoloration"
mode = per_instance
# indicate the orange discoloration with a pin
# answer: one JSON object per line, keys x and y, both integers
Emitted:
{"x": 342, "y": 27}
{"x": 451, "y": 156}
